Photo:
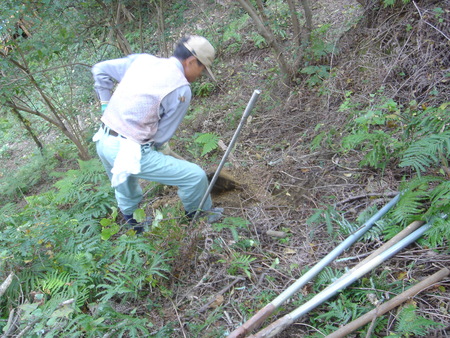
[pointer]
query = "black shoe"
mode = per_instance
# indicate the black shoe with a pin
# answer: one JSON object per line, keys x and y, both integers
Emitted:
{"x": 212, "y": 215}
{"x": 139, "y": 228}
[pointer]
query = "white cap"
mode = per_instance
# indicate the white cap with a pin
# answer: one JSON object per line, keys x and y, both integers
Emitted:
{"x": 202, "y": 50}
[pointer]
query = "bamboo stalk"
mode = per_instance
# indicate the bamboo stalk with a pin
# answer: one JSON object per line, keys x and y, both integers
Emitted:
{"x": 389, "y": 305}
{"x": 394, "y": 240}
{"x": 282, "y": 323}
{"x": 269, "y": 309}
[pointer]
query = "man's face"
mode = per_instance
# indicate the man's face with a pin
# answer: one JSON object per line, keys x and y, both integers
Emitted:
{"x": 192, "y": 69}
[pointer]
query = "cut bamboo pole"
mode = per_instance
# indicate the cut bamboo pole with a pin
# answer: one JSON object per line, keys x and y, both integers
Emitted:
{"x": 269, "y": 309}
{"x": 394, "y": 240}
{"x": 284, "y": 322}
{"x": 389, "y": 305}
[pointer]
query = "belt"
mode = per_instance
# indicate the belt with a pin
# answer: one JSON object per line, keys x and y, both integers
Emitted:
{"x": 110, "y": 131}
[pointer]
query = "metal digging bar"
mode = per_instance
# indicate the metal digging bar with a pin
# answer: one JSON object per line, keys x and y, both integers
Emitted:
{"x": 282, "y": 323}
{"x": 247, "y": 111}
{"x": 270, "y": 308}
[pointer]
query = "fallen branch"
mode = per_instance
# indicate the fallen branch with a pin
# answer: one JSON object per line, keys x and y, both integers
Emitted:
{"x": 6, "y": 284}
{"x": 10, "y": 325}
{"x": 429, "y": 24}
{"x": 358, "y": 197}
{"x": 221, "y": 292}
{"x": 273, "y": 233}
{"x": 28, "y": 328}
{"x": 179, "y": 319}
{"x": 389, "y": 305}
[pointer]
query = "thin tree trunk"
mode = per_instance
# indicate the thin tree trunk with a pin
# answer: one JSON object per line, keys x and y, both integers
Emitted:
{"x": 27, "y": 126}
{"x": 308, "y": 16}
{"x": 82, "y": 150}
{"x": 72, "y": 135}
{"x": 308, "y": 25}
{"x": 262, "y": 13}
{"x": 270, "y": 39}
{"x": 295, "y": 23}
{"x": 159, "y": 5}
{"x": 121, "y": 41}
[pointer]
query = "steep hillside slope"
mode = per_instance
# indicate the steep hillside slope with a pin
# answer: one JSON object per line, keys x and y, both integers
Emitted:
{"x": 286, "y": 179}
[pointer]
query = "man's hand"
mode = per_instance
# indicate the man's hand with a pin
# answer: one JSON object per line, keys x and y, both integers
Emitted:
{"x": 165, "y": 149}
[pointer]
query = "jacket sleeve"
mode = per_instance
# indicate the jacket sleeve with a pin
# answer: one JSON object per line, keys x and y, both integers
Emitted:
{"x": 172, "y": 111}
{"x": 107, "y": 73}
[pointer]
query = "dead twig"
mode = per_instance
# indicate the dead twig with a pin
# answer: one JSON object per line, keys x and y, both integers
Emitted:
{"x": 179, "y": 319}
{"x": 221, "y": 292}
{"x": 358, "y": 197}
{"x": 10, "y": 325}
{"x": 429, "y": 24}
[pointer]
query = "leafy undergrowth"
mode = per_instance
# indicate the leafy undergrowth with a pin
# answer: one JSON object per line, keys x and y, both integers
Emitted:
{"x": 313, "y": 165}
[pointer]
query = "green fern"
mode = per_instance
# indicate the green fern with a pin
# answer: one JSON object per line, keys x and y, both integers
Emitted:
{"x": 232, "y": 29}
{"x": 411, "y": 206}
{"x": 439, "y": 232}
{"x": 239, "y": 262}
{"x": 440, "y": 199}
{"x": 432, "y": 120}
{"x": 343, "y": 310}
{"x": 233, "y": 223}
{"x": 134, "y": 263}
{"x": 209, "y": 142}
{"x": 121, "y": 282}
{"x": 409, "y": 323}
{"x": 86, "y": 191}
{"x": 107, "y": 321}
{"x": 327, "y": 276}
{"x": 56, "y": 281}
{"x": 427, "y": 152}
{"x": 379, "y": 147}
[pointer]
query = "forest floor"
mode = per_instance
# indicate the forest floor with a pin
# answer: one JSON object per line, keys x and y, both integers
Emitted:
{"x": 283, "y": 182}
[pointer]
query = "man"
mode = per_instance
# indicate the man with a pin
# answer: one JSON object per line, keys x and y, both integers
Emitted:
{"x": 141, "y": 115}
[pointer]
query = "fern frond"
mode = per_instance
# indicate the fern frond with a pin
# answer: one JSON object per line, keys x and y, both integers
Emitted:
{"x": 439, "y": 232}
{"x": 440, "y": 199}
{"x": 409, "y": 322}
{"x": 209, "y": 141}
{"x": 56, "y": 281}
{"x": 427, "y": 152}
{"x": 156, "y": 265}
{"x": 326, "y": 277}
{"x": 414, "y": 200}
{"x": 81, "y": 263}
{"x": 409, "y": 207}
{"x": 434, "y": 120}
{"x": 353, "y": 140}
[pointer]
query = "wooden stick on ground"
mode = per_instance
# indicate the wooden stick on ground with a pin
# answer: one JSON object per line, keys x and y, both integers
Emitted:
{"x": 6, "y": 284}
{"x": 221, "y": 292}
{"x": 389, "y": 305}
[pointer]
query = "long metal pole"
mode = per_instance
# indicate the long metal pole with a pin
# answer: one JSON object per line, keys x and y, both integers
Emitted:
{"x": 282, "y": 323}
{"x": 266, "y": 311}
{"x": 244, "y": 117}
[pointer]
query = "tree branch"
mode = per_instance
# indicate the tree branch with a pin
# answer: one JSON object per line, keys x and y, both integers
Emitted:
{"x": 6, "y": 284}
